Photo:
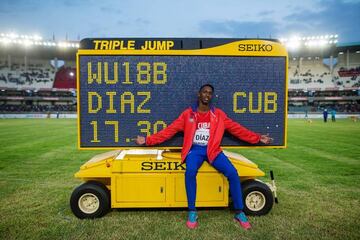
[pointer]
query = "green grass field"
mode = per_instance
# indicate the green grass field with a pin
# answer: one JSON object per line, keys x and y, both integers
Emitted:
{"x": 318, "y": 179}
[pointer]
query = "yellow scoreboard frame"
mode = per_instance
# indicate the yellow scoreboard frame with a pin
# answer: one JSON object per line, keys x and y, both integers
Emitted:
{"x": 151, "y": 47}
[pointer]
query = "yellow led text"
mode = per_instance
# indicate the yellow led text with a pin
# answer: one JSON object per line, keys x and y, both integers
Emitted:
{"x": 266, "y": 102}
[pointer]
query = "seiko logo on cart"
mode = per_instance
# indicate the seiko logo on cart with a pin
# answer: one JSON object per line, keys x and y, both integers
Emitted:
{"x": 159, "y": 166}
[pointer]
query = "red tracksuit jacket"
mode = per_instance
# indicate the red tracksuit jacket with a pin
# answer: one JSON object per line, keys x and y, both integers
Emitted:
{"x": 219, "y": 122}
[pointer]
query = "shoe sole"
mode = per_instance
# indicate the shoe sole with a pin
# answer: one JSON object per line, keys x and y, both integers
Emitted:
{"x": 244, "y": 227}
{"x": 192, "y": 225}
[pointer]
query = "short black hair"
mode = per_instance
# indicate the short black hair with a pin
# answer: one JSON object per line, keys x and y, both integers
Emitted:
{"x": 207, "y": 85}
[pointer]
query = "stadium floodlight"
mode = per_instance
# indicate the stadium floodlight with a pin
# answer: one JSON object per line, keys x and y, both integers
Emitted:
{"x": 6, "y": 41}
{"x": 34, "y": 39}
{"x": 293, "y": 44}
{"x": 62, "y": 44}
{"x": 13, "y": 35}
{"x": 322, "y": 43}
{"x": 37, "y": 37}
{"x": 28, "y": 43}
{"x": 309, "y": 41}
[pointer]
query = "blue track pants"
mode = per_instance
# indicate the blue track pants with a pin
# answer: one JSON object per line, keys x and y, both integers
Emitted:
{"x": 195, "y": 159}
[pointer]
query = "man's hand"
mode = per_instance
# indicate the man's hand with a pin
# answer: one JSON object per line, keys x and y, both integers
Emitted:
{"x": 266, "y": 139}
{"x": 140, "y": 140}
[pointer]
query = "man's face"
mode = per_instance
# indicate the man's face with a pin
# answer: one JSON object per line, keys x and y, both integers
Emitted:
{"x": 205, "y": 95}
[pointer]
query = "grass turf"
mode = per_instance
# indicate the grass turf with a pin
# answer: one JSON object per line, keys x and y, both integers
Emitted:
{"x": 318, "y": 179}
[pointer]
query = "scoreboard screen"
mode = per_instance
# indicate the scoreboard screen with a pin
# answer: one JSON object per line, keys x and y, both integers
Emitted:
{"x": 133, "y": 90}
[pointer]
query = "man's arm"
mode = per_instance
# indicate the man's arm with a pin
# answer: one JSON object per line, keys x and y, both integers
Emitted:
{"x": 163, "y": 135}
{"x": 245, "y": 134}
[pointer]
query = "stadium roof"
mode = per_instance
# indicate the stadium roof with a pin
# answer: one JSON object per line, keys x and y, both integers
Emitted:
{"x": 351, "y": 46}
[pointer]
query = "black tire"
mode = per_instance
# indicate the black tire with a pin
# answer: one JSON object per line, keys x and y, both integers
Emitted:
{"x": 95, "y": 200}
{"x": 262, "y": 196}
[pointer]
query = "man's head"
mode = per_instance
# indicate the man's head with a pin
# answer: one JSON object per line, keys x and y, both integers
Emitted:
{"x": 207, "y": 85}
{"x": 205, "y": 94}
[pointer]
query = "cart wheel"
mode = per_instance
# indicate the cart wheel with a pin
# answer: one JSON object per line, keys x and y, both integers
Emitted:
{"x": 90, "y": 200}
{"x": 258, "y": 198}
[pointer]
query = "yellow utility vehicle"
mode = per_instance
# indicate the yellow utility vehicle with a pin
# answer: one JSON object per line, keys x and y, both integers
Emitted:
{"x": 155, "y": 179}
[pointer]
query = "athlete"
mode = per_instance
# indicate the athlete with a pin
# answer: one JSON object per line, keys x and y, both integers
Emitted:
{"x": 203, "y": 126}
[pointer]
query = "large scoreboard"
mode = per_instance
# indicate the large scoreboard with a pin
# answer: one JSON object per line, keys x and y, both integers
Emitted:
{"x": 130, "y": 87}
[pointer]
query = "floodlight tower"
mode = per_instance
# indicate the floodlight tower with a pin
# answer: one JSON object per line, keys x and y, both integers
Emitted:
{"x": 321, "y": 45}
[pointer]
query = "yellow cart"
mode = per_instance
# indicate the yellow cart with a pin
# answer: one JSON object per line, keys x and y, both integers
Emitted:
{"x": 155, "y": 179}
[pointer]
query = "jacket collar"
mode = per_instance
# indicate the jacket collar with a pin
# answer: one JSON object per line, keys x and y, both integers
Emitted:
{"x": 195, "y": 106}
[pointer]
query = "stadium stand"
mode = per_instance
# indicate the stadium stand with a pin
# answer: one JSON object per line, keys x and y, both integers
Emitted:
{"x": 347, "y": 71}
{"x": 325, "y": 80}
{"x": 311, "y": 73}
{"x": 35, "y": 74}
